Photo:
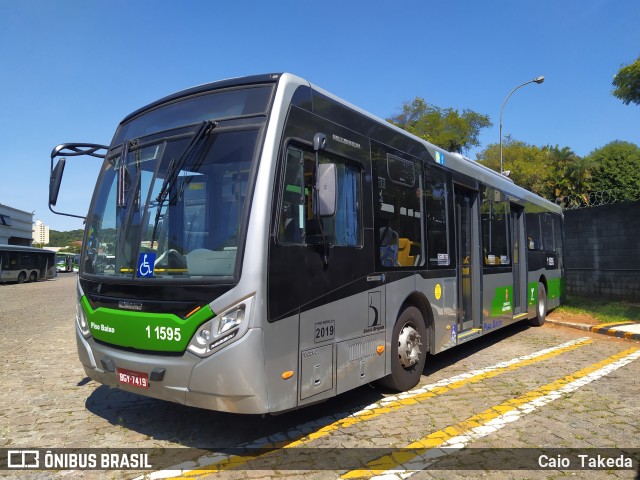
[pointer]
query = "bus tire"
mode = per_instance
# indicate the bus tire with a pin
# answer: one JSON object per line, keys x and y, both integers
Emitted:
{"x": 408, "y": 351}
{"x": 22, "y": 277}
{"x": 541, "y": 307}
{"x": 33, "y": 277}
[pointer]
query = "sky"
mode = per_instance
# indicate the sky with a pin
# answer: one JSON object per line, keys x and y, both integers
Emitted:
{"x": 70, "y": 70}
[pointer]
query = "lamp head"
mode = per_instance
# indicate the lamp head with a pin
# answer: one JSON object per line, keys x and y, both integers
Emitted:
{"x": 539, "y": 79}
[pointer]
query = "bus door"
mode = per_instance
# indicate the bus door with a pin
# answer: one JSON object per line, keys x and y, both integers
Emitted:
{"x": 469, "y": 318}
{"x": 519, "y": 256}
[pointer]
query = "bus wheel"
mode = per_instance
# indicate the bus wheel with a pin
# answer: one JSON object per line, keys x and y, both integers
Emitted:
{"x": 22, "y": 277}
{"x": 408, "y": 351}
{"x": 33, "y": 277}
{"x": 541, "y": 307}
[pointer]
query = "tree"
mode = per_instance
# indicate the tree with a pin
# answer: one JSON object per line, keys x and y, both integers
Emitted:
{"x": 627, "y": 83}
{"x": 529, "y": 165}
{"x": 62, "y": 239}
{"x": 551, "y": 172}
{"x": 617, "y": 170}
{"x": 444, "y": 127}
{"x": 569, "y": 175}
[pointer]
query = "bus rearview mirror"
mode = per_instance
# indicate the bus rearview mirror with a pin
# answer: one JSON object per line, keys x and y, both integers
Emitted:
{"x": 319, "y": 142}
{"x": 55, "y": 180}
{"x": 327, "y": 180}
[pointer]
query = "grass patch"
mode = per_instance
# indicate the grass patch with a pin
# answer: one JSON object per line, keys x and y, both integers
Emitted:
{"x": 605, "y": 311}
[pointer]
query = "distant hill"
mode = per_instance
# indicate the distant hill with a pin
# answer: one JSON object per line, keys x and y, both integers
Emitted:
{"x": 64, "y": 239}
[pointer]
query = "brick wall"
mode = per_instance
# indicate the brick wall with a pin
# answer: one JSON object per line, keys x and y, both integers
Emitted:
{"x": 602, "y": 251}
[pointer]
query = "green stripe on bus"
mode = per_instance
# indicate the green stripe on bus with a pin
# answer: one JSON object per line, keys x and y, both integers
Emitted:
{"x": 159, "y": 332}
{"x": 502, "y": 302}
{"x": 532, "y": 292}
{"x": 554, "y": 285}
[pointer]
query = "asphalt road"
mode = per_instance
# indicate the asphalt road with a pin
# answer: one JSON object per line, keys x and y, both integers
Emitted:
{"x": 515, "y": 399}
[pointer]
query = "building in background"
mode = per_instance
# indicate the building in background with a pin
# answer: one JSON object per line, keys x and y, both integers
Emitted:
{"x": 40, "y": 233}
{"x": 15, "y": 226}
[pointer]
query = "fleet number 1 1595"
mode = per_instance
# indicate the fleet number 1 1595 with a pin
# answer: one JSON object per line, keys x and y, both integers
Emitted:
{"x": 164, "y": 333}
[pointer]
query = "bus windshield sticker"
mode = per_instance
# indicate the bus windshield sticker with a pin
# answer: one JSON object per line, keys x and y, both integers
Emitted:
{"x": 146, "y": 263}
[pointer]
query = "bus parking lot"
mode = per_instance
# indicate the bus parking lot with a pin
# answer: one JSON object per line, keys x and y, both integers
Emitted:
{"x": 519, "y": 388}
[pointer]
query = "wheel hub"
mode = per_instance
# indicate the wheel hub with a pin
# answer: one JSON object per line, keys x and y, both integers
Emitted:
{"x": 409, "y": 346}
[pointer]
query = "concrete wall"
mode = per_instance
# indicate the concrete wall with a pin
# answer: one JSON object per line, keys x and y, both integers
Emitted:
{"x": 602, "y": 251}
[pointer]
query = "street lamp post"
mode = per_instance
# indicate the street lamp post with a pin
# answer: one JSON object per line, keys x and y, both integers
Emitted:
{"x": 538, "y": 80}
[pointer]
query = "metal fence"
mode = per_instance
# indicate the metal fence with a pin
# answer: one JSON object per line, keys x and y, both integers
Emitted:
{"x": 592, "y": 199}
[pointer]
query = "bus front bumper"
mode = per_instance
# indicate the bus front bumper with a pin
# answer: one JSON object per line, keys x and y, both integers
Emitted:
{"x": 230, "y": 380}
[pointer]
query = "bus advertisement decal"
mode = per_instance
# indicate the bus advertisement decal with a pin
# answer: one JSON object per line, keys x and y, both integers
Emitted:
{"x": 501, "y": 302}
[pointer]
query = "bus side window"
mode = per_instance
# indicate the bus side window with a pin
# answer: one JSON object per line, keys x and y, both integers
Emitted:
{"x": 436, "y": 197}
{"x": 495, "y": 214}
{"x": 292, "y": 211}
{"x": 399, "y": 214}
{"x": 297, "y": 222}
{"x": 344, "y": 228}
{"x": 534, "y": 237}
{"x": 547, "y": 233}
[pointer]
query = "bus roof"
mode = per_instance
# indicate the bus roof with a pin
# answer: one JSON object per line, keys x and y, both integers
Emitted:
{"x": 453, "y": 161}
{"x": 19, "y": 248}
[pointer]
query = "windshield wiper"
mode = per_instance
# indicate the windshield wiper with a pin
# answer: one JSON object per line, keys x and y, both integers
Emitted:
{"x": 174, "y": 168}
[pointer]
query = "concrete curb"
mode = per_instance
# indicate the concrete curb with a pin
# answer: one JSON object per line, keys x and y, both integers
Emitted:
{"x": 628, "y": 330}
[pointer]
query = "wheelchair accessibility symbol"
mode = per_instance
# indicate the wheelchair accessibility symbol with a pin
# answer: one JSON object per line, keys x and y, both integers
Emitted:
{"x": 146, "y": 262}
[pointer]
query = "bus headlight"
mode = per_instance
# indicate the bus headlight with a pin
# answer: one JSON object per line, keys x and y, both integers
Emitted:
{"x": 231, "y": 320}
{"x": 220, "y": 329}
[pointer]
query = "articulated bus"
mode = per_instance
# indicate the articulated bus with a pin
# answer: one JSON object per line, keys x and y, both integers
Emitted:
{"x": 256, "y": 245}
{"x": 26, "y": 264}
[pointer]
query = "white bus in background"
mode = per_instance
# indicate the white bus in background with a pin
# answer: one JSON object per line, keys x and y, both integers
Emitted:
{"x": 26, "y": 264}
{"x": 64, "y": 261}
{"x": 257, "y": 244}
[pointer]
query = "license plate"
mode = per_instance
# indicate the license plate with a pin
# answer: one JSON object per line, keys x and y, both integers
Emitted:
{"x": 135, "y": 379}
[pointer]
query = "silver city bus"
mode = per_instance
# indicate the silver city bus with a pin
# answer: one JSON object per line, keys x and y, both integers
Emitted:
{"x": 26, "y": 264}
{"x": 257, "y": 244}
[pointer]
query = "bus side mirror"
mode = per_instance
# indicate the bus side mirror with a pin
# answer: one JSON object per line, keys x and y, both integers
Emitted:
{"x": 319, "y": 142}
{"x": 69, "y": 150}
{"x": 55, "y": 180}
{"x": 327, "y": 181}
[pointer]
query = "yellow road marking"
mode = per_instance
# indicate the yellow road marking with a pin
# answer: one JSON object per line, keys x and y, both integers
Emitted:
{"x": 439, "y": 390}
{"x": 441, "y": 437}
{"x": 227, "y": 462}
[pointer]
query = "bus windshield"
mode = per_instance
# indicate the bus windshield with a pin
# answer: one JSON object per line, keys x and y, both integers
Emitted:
{"x": 170, "y": 205}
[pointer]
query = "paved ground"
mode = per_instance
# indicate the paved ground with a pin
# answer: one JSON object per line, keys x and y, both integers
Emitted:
{"x": 499, "y": 396}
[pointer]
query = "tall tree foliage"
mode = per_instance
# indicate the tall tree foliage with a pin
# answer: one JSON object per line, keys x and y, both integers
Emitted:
{"x": 569, "y": 174}
{"x": 551, "y": 172}
{"x": 627, "y": 83}
{"x": 527, "y": 163}
{"x": 617, "y": 170}
{"x": 444, "y": 127}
